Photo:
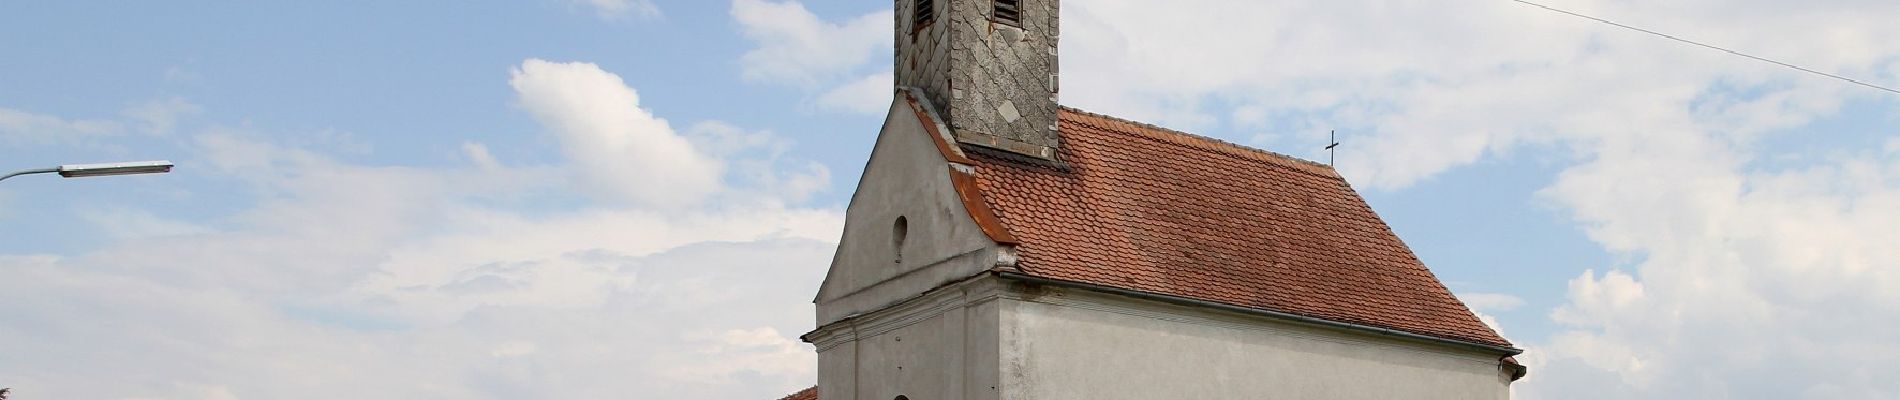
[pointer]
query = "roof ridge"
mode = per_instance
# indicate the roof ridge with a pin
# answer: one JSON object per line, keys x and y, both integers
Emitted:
{"x": 1210, "y": 143}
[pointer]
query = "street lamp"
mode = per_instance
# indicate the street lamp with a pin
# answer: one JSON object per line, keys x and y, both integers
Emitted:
{"x": 85, "y": 170}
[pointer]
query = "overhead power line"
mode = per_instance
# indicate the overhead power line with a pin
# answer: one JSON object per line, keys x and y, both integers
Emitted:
{"x": 1673, "y": 37}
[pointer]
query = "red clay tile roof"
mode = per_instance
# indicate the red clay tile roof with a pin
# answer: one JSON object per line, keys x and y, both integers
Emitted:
{"x": 1140, "y": 207}
{"x": 810, "y": 393}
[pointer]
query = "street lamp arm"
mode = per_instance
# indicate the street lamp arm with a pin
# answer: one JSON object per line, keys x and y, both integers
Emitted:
{"x": 106, "y": 169}
{"x": 29, "y": 171}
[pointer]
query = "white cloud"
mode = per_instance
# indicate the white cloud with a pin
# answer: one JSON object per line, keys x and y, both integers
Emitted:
{"x": 1454, "y": 80}
{"x": 146, "y": 120}
{"x": 1593, "y": 299}
{"x": 869, "y": 95}
{"x": 610, "y": 9}
{"x": 714, "y": 320}
{"x": 161, "y": 116}
{"x": 127, "y": 223}
{"x": 425, "y": 283}
{"x": 1490, "y": 301}
{"x": 1743, "y": 271}
{"x": 758, "y": 163}
{"x": 477, "y": 153}
{"x": 1745, "y": 279}
{"x": 22, "y": 127}
{"x": 796, "y": 47}
{"x": 1481, "y": 304}
{"x": 845, "y": 65}
{"x": 621, "y": 149}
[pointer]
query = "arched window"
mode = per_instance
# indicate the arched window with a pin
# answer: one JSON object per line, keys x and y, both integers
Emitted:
{"x": 899, "y": 230}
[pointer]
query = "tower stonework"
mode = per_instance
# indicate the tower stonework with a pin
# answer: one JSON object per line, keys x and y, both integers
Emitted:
{"x": 987, "y": 67}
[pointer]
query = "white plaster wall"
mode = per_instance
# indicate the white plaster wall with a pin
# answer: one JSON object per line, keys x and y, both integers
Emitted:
{"x": 940, "y": 346}
{"x": 907, "y": 176}
{"x": 1066, "y": 344}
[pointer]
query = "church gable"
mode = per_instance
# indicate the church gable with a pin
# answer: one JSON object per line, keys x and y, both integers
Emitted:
{"x": 915, "y": 222}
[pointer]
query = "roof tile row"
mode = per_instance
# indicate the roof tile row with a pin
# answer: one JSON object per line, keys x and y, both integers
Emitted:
{"x": 1140, "y": 207}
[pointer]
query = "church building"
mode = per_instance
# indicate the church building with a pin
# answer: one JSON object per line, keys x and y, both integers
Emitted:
{"x": 1002, "y": 246}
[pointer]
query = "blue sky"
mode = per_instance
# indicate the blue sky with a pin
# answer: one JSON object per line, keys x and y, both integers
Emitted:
{"x": 542, "y": 197}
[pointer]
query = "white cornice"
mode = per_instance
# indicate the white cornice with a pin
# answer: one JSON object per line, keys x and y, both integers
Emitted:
{"x": 971, "y": 292}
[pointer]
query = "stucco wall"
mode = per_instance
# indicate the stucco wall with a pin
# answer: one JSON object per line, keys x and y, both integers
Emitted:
{"x": 907, "y": 176}
{"x": 939, "y": 346}
{"x": 1065, "y": 344}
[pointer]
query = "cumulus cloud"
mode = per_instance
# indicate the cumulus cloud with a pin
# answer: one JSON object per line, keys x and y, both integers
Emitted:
{"x": 1454, "y": 80}
{"x": 1743, "y": 270}
{"x": 868, "y": 95}
{"x": 1746, "y": 277}
{"x": 620, "y": 149}
{"x": 414, "y": 282}
{"x": 845, "y": 64}
{"x": 712, "y": 320}
{"x": 796, "y": 47}
{"x": 759, "y": 163}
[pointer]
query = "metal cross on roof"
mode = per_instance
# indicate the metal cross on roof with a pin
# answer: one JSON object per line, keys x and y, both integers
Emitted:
{"x": 1333, "y": 138}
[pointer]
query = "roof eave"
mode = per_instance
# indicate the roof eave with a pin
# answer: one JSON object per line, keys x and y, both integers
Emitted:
{"x": 1505, "y": 351}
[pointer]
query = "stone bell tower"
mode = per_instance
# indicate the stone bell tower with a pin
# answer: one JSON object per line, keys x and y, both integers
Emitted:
{"x": 988, "y": 67}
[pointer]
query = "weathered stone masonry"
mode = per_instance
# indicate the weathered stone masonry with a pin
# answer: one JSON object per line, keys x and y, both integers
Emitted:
{"x": 995, "y": 84}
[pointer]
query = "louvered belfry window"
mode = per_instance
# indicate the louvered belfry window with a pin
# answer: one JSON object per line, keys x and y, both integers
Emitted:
{"x": 1008, "y": 12}
{"x": 926, "y": 13}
